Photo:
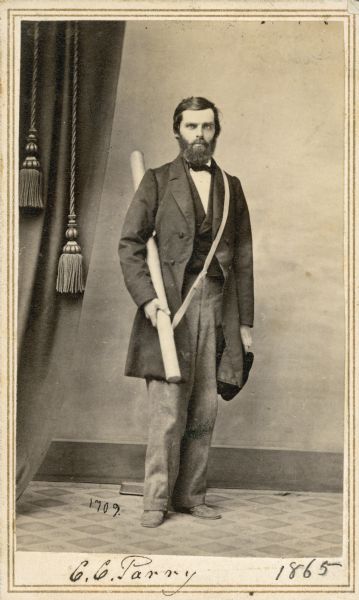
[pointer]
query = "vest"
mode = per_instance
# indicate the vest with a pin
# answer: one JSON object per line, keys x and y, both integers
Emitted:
{"x": 203, "y": 233}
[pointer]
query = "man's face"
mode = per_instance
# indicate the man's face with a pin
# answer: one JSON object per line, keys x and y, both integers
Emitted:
{"x": 197, "y": 135}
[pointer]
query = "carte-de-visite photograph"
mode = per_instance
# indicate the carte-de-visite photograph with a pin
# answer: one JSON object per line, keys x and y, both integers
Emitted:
{"x": 181, "y": 287}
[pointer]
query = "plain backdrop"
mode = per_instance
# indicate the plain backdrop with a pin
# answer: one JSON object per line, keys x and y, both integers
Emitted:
{"x": 280, "y": 89}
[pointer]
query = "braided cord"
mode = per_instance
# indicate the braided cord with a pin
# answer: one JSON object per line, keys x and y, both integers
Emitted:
{"x": 74, "y": 120}
{"x": 34, "y": 77}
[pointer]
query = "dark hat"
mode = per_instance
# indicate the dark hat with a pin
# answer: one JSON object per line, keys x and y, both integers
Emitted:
{"x": 228, "y": 390}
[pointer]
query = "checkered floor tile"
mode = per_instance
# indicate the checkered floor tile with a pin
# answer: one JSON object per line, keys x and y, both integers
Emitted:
{"x": 70, "y": 517}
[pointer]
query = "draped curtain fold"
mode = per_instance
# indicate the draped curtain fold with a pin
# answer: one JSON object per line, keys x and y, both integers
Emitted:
{"x": 47, "y": 320}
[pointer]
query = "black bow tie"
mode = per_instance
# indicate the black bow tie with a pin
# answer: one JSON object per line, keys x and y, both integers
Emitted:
{"x": 209, "y": 168}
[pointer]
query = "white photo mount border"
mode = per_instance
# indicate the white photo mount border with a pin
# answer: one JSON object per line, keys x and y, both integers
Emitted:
{"x": 13, "y": 562}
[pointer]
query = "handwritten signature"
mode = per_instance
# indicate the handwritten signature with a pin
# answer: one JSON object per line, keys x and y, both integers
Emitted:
{"x": 131, "y": 567}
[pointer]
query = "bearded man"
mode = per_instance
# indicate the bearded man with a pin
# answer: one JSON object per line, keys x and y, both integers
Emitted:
{"x": 183, "y": 202}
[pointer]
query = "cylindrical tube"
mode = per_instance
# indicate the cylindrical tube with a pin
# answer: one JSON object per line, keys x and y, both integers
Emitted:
{"x": 164, "y": 325}
{"x": 137, "y": 168}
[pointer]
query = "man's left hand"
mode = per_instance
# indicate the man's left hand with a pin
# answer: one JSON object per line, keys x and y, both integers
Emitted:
{"x": 246, "y": 336}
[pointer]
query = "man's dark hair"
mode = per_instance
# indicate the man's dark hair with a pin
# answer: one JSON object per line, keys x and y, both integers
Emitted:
{"x": 195, "y": 103}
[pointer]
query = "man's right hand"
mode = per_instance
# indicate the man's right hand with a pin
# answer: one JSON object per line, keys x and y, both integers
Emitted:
{"x": 151, "y": 309}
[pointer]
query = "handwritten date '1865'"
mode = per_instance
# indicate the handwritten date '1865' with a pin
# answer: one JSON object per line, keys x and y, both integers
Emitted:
{"x": 314, "y": 567}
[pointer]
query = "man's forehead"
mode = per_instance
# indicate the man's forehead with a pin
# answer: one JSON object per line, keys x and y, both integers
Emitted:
{"x": 198, "y": 116}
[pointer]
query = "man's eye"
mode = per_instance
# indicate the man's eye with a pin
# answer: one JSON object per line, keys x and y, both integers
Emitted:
{"x": 191, "y": 126}
{"x": 209, "y": 126}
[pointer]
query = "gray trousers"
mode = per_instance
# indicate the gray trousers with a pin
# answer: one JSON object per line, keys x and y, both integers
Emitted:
{"x": 182, "y": 416}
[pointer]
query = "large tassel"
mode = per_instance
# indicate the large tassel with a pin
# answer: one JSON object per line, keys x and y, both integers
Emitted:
{"x": 30, "y": 176}
{"x": 70, "y": 273}
{"x": 70, "y": 278}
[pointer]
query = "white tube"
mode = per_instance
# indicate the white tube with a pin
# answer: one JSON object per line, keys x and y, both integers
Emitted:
{"x": 164, "y": 325}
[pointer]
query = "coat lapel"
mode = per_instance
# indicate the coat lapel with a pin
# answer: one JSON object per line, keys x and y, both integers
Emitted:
{"x": 218, "y": 200}
{"x": 181, "y": 191}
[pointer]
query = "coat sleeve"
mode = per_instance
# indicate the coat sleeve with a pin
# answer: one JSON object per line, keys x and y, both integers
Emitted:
{"x": 137, "y": 229}
{"x": 243, "y": 258}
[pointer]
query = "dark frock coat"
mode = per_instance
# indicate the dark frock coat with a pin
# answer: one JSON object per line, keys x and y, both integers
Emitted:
{"x": 163, "y": 203}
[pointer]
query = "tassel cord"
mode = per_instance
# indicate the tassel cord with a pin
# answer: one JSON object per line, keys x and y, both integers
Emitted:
{"x": 74, "y": 123}
{"x": 34, "y": 78}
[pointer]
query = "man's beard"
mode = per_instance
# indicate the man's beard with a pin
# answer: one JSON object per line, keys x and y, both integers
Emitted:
{"x": 198, "y": 152}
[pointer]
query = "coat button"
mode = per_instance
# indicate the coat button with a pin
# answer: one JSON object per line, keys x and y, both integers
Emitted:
{"x": 172, "y": 262}
{"x": 181, "y": 234}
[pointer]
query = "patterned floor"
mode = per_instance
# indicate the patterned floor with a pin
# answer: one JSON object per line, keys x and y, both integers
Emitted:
{"x": 65, "y": 517}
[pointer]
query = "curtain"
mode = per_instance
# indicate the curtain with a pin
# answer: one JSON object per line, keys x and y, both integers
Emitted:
{"x": 47, "y": 320}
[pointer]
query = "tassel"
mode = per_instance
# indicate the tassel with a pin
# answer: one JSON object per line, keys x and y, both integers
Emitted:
{"x": 70, "y": 272}
{"x": 30, "y": 176}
